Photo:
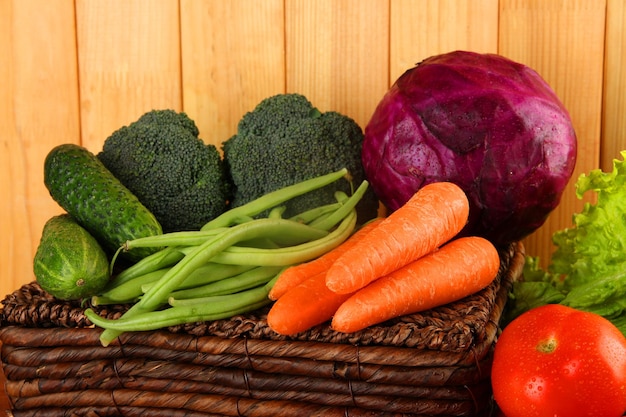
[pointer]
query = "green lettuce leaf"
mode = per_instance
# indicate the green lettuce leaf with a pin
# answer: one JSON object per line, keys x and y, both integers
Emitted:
{"x": 607, "y": 293}
{"x": 587, "y": 270}
{"x": 596, "y": 245}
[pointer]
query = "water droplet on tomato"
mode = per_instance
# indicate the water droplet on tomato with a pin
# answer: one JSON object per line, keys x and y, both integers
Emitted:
{"x": 535, "y": 388}
{"x": 570, "y": 368}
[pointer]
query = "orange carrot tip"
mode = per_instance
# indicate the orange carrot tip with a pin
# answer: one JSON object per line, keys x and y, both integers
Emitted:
{"x": 296, "y": 274}
{"x": 433, "y": 216}
{"x": 456, "y": 270}
{"x": 306, "y": 305}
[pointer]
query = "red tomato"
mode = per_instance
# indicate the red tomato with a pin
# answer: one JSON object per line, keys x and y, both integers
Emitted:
{"x": 554, "y": 361}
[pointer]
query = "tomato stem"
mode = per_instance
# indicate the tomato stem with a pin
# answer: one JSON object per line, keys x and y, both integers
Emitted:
{"x": 547, "y": 346}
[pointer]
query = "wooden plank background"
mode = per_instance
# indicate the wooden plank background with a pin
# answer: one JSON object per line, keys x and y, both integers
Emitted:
{"x": 76, "y": 70}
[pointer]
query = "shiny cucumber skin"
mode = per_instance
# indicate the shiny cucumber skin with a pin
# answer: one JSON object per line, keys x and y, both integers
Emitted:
{"x": 89, "y": 192}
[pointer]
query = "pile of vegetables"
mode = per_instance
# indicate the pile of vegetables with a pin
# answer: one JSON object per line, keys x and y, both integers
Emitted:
{"x": 156, "y": 175}
{"x": 97, "y": 200}
{"x": 587, "y": 271}
{"x": 563, "y": 347}
{"x": 227, "y": 267}
{"x": 468, "y": 152}
{"x": 391, "y": 267}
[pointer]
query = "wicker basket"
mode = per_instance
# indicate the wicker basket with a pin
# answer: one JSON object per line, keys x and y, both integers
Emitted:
{"x": 435, "y": 363}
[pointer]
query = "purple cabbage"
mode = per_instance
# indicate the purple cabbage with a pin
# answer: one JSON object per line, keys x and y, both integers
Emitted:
{"x": 486, "y": 123}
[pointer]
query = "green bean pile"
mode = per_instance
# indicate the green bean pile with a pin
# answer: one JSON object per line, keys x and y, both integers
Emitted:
{"x": 228, "y": 266}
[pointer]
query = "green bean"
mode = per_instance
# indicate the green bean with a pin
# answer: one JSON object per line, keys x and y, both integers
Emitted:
{"x": 237, "y": 255}
{"x": 283, "y": 256}
{"x": 180, "y": 302}
{"x": 158, "y": 260}
{"x": 101, "y": 300}
{"x": 277, "y": 212}
{"x": 158, "y": 294}
{"x": 210, "y": 272}
{"x": 270, "y": 284}
{"x": 310, "y": 215}
{"x": 273, "y": 199}
{"x": 234, "y": 284}
{"x": 330, "y": 221}
{"x": 241, "y": 219}
{"x": 290, "y": 240}
{"x": 224, "y": 307}
{"x": 129, "y": 290}
{"x": 263, "y": 242}
{"x": 295, "y": 234}
{"x": 183, "y": 238}
{"x": 230, "y": 239}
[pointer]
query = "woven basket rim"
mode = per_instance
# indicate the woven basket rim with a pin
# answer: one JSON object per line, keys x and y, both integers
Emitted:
{"x": 457, "y": 327}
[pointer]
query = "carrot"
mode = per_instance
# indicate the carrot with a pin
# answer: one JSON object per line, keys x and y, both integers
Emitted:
{"x": 306, "y": 305}
{"x": 434, "y": 215}
{"x": 460, "y": 268}
{"x": 296, "y": 274}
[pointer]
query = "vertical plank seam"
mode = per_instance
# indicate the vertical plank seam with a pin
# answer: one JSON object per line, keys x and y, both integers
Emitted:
{"x": 602, "y": 159}
{"x": 181, "y": 78}
{"x": 285, "y": 58}
{"x": 79, "y": 116}
{"x": 498, "y": 25}
{"x": 389, "y": 18}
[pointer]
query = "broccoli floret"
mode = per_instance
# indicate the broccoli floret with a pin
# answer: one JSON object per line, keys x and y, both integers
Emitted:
{"x": 285, "y": 139}
{"x": 177, "y": 176}
{"x": 169, "y": 118}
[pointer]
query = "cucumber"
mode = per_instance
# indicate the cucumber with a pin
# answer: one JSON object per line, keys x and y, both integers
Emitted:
{"x": 89, "y": 192}
{"x": 69, "y": 263}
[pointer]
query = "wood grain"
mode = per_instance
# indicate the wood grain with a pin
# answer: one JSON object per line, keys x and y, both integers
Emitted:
{"x": 233, "y": 57}
{"x": 38, "y": 110}
{"x": 542, "y": 34}
{"x": 613, "y": 139}
{"x": 337, "y": 54}
{"x": 425, "y": 28}
{"x": 129, "y": 62}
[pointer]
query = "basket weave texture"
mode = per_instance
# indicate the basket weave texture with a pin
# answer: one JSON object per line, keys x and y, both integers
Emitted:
{"x": 434, "y": 363}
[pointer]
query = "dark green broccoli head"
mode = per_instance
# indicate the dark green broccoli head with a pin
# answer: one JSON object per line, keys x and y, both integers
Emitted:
{"x": 273, "y": 113}
{"x": 171, "y": 171}
{"x": 169, "y": 118}
{"x": 285, "y": 140}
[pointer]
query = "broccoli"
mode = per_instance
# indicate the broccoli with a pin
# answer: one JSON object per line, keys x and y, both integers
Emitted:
{"x": 284, "y": 140}
{"x": 177, "y": 176}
